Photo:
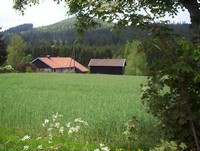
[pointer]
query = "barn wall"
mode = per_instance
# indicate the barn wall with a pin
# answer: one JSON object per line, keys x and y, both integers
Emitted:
{"x": 107, "y": 70}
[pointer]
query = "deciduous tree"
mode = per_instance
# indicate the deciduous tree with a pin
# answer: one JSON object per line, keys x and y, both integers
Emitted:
{"x": 16, "y": 51}
{"x": 136, "y": 61}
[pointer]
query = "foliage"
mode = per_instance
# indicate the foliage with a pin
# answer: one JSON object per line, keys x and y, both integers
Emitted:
{"x": 26, "y": 67}
{"x": 6, "y": 69}
{"x": 169, "y": 146}
{"x": 136, "y": 61}
{"x": 27, "y": 99}
{"x": 172, "y": 91}
{"x": 3, "y": 53}
{"x": 16, "y": 51}
{"x": 131, "y": 13}
{"x": 28, "y": 58}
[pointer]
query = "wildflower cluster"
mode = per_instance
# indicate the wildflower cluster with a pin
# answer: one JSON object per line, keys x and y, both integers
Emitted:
{"x": 74, "y": 127}
{"x": 102, "y": 148}
{"x": 55, "y": 130}
{"x": 53, "y": 126}
{"x": 26, "y": 147}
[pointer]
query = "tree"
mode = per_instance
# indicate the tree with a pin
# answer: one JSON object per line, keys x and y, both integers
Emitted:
{"x": 172, "y": 92}
{"x": 3, "y": 53}
{"x": 136, "y": 61}
{"x": 16, "y": 51}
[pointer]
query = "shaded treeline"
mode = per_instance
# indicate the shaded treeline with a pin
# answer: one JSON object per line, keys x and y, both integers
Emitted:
{"x": 82, "y": 53}
{"x": 60, "y": 40}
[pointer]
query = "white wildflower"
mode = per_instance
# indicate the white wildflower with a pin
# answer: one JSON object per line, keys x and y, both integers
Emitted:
{"x": 105, "y": 148}
{"x": 70, "y": 131}
{"x": 39, "y": 147}
{"x": 50, "y": 129}
{"x": 26, "y": 147}
{"x": 46, "y": 121}
{"x": 73, "y": 129}
{"x": 79, "y": 120}
{"x": 55, "y": 116}
{"x": 102, "y": 145}
{"x": 57, "y": 125}
{"x": 61, "y": 130}
{"x": 50, "y": 141}
{"x": 26, "y": 137}
{"x": 97, "y": 149}
{"x": 68, "y": 125}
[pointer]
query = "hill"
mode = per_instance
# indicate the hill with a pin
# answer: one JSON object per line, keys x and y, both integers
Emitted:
{"x": 59, "y": 40}
{"x": 63, "y": 33}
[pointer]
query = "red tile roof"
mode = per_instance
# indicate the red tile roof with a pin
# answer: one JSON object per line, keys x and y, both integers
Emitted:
{"x": 62, "y": 62}
{"x": 108, "y": 62}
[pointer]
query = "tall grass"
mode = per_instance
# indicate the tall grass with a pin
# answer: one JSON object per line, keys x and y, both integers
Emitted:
{"x": 106, "y": 102}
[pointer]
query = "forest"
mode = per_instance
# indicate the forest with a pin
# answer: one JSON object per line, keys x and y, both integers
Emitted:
{"x": 60, "y": 39}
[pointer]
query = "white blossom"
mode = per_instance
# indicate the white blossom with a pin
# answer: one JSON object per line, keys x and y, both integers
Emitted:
{"x": 50, "y": 129}
{"x": 73, "y": 129}
{"x": 26, "y": 147}
{"x": 79, "y": 120}
{"x": 46, "y": 121}
{"x": 61, "y": 130}
{"x": 26, "y": 137}
{"x": 105, "y": 148}
{"x": 57, "y": 125}
{"x": 68, "y": 125}
{"x": 39, "y": 147}
{"x": 102, "y": 145}
{"x": 55, "y": 116}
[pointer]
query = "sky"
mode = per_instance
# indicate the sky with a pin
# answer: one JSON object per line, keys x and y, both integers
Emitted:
{"x": 46, "y": 13}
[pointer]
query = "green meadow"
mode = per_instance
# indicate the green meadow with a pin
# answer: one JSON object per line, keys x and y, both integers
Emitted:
{"x": 106, "y": 102}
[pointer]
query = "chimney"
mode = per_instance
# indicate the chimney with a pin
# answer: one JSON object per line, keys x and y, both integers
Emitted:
{"x": 48, "y": 56}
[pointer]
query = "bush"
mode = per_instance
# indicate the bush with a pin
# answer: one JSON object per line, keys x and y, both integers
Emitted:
{"x": 26, "y": 67}
{"x": 6, "y": 69}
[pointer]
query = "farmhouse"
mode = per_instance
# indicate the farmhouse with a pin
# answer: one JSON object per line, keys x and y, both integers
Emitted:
{"x": 58, "y": 64}
{"x": 107, "y": 66}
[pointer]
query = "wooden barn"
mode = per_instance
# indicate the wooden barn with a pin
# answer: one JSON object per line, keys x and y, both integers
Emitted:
{"x": 58, "y": 64}
{"x": 107, "y": 66}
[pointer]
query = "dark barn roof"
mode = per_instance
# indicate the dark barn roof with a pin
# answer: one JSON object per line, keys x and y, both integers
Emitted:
{"x": 107, "y": 62}
{"x": 107, "y": 66}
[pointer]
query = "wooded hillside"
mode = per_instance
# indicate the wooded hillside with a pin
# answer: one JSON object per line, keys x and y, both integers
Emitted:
{"x": 59, "y": 40}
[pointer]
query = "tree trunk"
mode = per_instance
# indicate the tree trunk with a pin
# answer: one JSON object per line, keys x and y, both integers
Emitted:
{"x": 185, "y": 98}
{"x": 193, "y": 8}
